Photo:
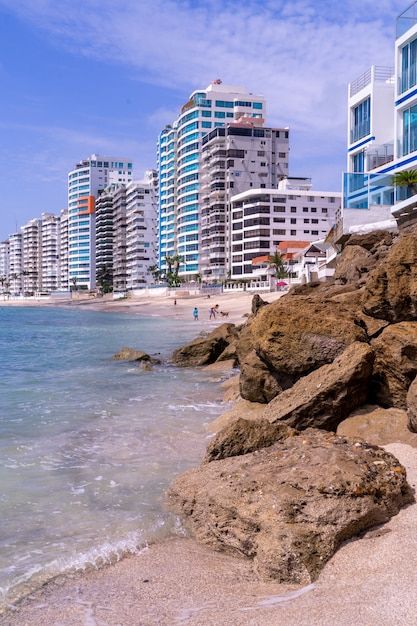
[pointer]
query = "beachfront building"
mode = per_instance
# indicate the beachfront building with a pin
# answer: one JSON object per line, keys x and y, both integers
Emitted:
{"x": 88, "y": 177}
{"x": 262, "y": 219}
{"x": 105, "y": 229}
{"x": 141, "y": 231}
{"x": 49, "y": 253}
{"x": 15, "y": 263}
{"x": 31, "y": 256}
{"x": 4, "y": 260}
{"x": 63, "y": 250}
{"x": 179, "y": 154}
{"x": 240, "y": 156}
{"x": 382, "y": 137}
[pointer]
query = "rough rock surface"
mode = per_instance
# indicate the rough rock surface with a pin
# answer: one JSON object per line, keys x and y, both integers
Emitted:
{"x": 250, "y": 411}
{"x": 207, "y": 349}
{"x": 353, "y": 263}
{"x": 289, "y": 506}
{"x": 289, "y": 339}
{"x": 131, "y": 354}
{"x": 395, "y": 364}
{"x": 378, "y": 426}
{"x": 244, "y": 436}
{"x": 391, "y": 288}
{"x": 326, "y": 396}
{"x": 257, "y": 383}
{"x": 373, "y": 241}
{"x": 412, "y": 406}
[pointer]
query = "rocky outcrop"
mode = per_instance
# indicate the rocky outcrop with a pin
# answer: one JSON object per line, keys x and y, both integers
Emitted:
{"x": 373, "y": 242}
{"x": 378, "y": 426}
{"x": 207, "y": 349}
{"x": 131, "y": 354}
{"x": 391, "y": 288}
{"x": 395, "y": 364}
{"x": 353, "y": 263}
{"x": 249, "y": 410}
{"x": 289, "y": 506}
{"x": 257, "y": 303}
{"x": 326, "y": 396}
{"x": 289, "y": 339}
{"x": 412, "y": 406}
{"x": 257, "y": 383}
{"x": 244, "y": 436}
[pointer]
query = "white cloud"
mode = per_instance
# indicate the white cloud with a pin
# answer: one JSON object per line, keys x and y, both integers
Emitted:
{"x": 300, "y": 54}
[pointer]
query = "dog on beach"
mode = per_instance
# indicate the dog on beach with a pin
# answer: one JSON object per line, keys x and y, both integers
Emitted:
{"x": 224, "y": 313}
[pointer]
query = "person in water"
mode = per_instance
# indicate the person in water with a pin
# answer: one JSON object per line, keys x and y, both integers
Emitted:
{"x": 195, "y": 313}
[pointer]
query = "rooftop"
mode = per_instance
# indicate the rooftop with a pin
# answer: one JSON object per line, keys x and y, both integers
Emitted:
{"x": 376, "y": 73}
{"x": 406, "y": 20}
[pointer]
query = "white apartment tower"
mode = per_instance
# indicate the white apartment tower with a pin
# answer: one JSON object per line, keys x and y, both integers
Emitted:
{"x": 4, "y": 260}
{"x": 50, "y": 274}
{"x": 141, "y": 231}
{"x": 179, "y": 153}
{"x": 234, "y": 159}
{"x": 16, "y": 266}
{"x": 84, "y": 182}
{"x": 63, "y": 250}
{"x": 31, "y": 256}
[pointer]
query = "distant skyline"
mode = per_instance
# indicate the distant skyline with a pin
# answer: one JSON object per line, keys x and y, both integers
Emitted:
{"x": 94, "y": 76}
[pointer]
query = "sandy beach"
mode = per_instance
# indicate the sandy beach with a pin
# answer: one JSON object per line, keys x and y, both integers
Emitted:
{"x": 370, "y": 581}
{"x": 236, "y": 305}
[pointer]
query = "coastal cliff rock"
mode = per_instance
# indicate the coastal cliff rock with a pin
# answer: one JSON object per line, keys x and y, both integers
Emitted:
{"x": 395, "y": 364}
{"x": 412, "y": 406}
{"x": 325, "y": 397}
{"x": 131, "y": 354}
{"x": 377, "y": 242}
{"x": 289, "y": 506}
{"x": 353, "y": 263}
{"x": 391, "y": 288}
{"x": 378, "y": 426}
{"x": 206, "y": 350}
{"x": 289, "y": 339}
{"x": 244, "y": 436}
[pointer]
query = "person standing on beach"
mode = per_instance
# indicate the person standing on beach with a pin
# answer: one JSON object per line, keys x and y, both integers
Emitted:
{"x": 195, "y": 314}
{"x": 175, "y": 303}
{"x": 212, "y": 313}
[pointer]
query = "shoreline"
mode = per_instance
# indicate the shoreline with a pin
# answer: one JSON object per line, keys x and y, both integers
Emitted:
{"x": 178, "y": 581}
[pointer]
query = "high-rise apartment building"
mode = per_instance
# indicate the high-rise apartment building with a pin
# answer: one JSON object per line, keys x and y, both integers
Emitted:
{"x": 141, "y": 231}
{"x": 49, "y": 253}
{"x": 4, "y": 260}
{"x": 179, "y": 153}
{"x": 261, "y": 219}
{"x": 84, "y": 182}
{"x": 63, "y": 250}
{"x": 234, "y": 159}
{"x": 31, "y": 256}
{"x": 105, "y": 229}
{"x": 16, "y": 266}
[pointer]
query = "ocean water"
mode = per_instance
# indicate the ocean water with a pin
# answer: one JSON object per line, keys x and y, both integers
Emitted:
{"x": 89, "y": 445}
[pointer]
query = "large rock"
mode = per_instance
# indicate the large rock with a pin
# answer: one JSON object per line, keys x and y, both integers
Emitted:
{"x": 378, "y": 426}
{"x": 353, "y": 263}
{"x": 131, "y": 354}
{"x": 244, "y": 436}
{"x": 257, "y": 383}
{"x": 412, "y": 406}
{"x": 289, "y": 339}
{"x": 241, "y": 408}
{"x": 207, "y": 349}
{"x": 395, "y": 364}
{"x": 326, "y": 396}
{"x": 373, "y": 242}
{"x": 289, "y": 506}
{"x": 391, "y": 288}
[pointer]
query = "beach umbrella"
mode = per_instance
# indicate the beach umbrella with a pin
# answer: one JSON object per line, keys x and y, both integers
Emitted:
{"x": 281, "y": 283}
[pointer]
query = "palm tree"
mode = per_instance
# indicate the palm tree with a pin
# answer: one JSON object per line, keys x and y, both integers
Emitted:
{"x": 407, "y": 179}
{"x": 276, "y": 263}
{"x": 173, "y": 262}
{"x": 74, "y": 286}
{"x": 105, "y": 279}
{"x": 155, "y": 271}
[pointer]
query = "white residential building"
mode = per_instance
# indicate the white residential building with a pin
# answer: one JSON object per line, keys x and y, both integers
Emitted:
{"x": 63, "y": 250}
{"x": 383, "y": 137}
{"x": 179, "y": 153}
{"x": 49, "y": 251}
{"x": 31, "y": 256}
{"x": 236, "y": 158}
{"x": 4, "y": 259}
{"x": 141, "y": 231}
{"x": 16, "y": 266}
{"x": 84, "y": 181}
{"x": 261, "y": 219}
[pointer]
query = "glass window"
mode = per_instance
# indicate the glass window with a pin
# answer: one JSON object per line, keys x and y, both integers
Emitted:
{"x": 225, "y": 104}
{"x": 219, "y": 114}
{"x": 410, "y": 130}
{"x": 206, "y": 124}
{"x": 257, "y": 105}
{"x": 206, "y": 113}
{"x": 408, "y": 77}
{"x": 361, "y": 120}
{"x": 358, "y": 162}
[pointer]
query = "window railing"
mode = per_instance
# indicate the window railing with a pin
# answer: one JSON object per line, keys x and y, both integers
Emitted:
{"x": 360, "y": 130}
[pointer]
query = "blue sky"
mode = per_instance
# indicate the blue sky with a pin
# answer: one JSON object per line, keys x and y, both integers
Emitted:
{"x": 78, "y": 77}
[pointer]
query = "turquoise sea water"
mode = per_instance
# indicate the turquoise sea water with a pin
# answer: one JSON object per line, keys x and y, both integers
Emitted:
{"x": 89, "y": 445}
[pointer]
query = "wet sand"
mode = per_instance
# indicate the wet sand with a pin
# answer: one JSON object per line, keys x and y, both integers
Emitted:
{"x": 369, "y": 582}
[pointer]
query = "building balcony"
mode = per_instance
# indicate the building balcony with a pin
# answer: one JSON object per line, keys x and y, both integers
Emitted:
{"x": 379, "y": 155}
{"x": 406, "y": 20}
{"x": 376, "y": 73}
